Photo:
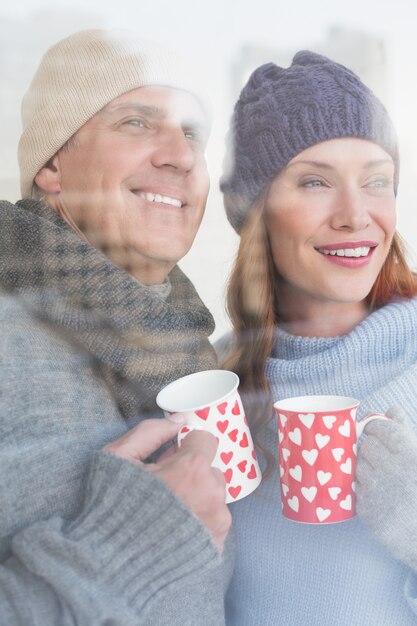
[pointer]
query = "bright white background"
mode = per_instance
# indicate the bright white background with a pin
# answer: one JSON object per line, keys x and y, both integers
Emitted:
{"x": 215, "y": 32}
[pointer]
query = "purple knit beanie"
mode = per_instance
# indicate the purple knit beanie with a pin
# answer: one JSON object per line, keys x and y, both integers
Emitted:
{"x": 281, "y": 112}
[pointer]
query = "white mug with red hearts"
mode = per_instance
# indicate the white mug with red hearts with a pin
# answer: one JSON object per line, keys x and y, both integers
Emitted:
{"x": 210, "y": 401}
{"x": 317, "y": 457}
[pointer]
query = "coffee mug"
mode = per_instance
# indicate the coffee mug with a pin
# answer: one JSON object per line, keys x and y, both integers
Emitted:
{"x": 317, "y": 457}
{"x": 210, "y": 401}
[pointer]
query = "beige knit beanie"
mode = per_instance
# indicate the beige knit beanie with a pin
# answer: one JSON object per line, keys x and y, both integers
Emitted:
{"x": 78, "y": 76}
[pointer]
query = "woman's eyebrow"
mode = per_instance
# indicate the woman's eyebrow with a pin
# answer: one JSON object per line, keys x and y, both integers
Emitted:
{"x": 378, "y": 162}
{"x": 320, "y": 164}
{"x": 328, "y": 166}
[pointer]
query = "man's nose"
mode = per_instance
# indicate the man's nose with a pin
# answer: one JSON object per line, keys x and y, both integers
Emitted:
{"x": 175, "y": 150}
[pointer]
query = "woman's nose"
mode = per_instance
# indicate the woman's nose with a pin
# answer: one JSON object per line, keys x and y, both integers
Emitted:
{"x": 350, "y": 212}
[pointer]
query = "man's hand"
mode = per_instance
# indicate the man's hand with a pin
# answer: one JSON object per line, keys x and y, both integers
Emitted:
{"x": 187, "y": 472}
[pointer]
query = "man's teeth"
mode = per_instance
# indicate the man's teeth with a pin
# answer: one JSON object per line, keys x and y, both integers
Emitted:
{"x": 352, "y": 252}
{"x": 157, "y": 197}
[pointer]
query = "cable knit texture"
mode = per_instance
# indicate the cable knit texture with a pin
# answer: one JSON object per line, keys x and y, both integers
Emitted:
{"x": 87, "y": 538}
{"x": 307, "y": 575}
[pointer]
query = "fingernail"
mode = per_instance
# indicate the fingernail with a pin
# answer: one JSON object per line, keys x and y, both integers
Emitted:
{"x": 177, "y": 418}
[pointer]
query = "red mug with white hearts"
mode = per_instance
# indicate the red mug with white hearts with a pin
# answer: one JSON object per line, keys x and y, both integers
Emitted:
{"x": 317, "y": 457}
{"x": 210, "y": 401}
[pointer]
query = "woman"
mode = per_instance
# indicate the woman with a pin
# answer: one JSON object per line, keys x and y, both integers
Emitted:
{"x": 322, "y": 302}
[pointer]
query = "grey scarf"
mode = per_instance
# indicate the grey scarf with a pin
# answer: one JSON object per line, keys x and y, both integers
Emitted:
{"x": 140, "y": 341}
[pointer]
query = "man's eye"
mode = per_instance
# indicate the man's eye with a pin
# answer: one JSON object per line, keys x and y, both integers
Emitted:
{"x": 135, "y": 121}
{"x": 192, "y": 134}
{"x": 196, "y": 135}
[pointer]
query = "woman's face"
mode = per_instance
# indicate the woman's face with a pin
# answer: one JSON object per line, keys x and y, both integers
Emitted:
{"x": 330, "y": 216}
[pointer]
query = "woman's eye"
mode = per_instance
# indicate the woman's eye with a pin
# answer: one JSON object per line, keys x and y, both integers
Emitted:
{"x": 312, "y": 182}
{"x": 380, "y": 182}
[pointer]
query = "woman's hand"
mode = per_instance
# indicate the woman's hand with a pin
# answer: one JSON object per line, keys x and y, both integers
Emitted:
{"x": 387, "y": 485}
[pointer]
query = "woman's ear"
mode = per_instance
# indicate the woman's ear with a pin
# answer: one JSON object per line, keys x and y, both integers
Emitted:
{"x": 48, "y": 179}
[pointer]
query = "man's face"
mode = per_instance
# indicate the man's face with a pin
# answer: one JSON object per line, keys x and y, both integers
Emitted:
{"x": 135, "y": 183}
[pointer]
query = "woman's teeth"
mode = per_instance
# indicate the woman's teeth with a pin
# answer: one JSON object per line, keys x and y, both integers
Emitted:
{"x": 352, "y": 252}
{"x": 157, "y": 197}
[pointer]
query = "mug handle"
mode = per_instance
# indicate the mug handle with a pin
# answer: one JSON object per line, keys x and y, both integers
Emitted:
{"x": 185, "y": 430}
{"x": 374, "y": 416}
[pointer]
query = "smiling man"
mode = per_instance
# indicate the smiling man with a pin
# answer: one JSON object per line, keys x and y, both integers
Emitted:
{"x": 96, "y": 318}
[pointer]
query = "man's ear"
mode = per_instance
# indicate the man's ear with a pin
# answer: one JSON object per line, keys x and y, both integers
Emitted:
{"x": 48, "y": 179}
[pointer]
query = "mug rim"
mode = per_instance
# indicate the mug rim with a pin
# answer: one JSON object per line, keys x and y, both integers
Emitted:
{"x": 165, "y": 405}
{"x": 339, "y": 403}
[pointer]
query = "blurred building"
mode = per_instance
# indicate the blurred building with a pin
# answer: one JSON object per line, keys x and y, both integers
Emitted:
{"x": 363, "y": 53}
{"x": 22, "y": 44}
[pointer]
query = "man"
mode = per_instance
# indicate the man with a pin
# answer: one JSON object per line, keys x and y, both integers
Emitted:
{"x": 95, "y": 319}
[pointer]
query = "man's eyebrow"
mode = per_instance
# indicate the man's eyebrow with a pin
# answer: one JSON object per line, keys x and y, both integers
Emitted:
{"x": 153, "y": 112}
{"x": 140, "y": 109}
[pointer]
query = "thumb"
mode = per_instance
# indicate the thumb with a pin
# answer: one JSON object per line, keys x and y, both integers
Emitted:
{"x": 398, "y": 414}
{"x": 203, "y": 441}
{"x": 137, "y": 444}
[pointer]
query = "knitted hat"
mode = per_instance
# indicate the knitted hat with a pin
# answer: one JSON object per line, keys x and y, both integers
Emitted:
{"x": 78, "y": 76}
{"x": 281, "y": 112}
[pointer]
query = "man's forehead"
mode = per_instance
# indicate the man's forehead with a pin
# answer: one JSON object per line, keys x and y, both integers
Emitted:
{"x": 158, "y": 102}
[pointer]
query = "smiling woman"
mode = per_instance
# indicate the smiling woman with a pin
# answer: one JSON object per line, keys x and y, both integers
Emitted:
{"x": 331, "y": 209}
{"x": 322, "y": 303}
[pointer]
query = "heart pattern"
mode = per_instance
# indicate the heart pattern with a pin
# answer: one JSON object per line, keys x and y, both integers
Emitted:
{"x": 309, "y": 493}
{"x": 222, "y": 426}
{"x": 285, "y": 453}
{"x": 309, "y": 455}
{"x": 295, "y": 436}
{"x": 236, "y": 456}
{"x": 294, "y": 503}
{"x": 222, "y": 408}
{"x": 307, "y": 419}
{"x": 329, "y": 420}
{"x": 334, "y": 492}
{"x": 242, "y": 466}
{"x": 228, "y": 475}
{"x": 233, "y": 434}
{"x": 234, "y": 491}
{"x": 322, "y": 514}
{"x": 203, "y": 414}
{"x": 317, "y": 459}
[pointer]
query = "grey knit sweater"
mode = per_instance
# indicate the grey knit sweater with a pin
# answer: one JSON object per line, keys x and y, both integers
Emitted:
{"x": 86, "y": 538}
